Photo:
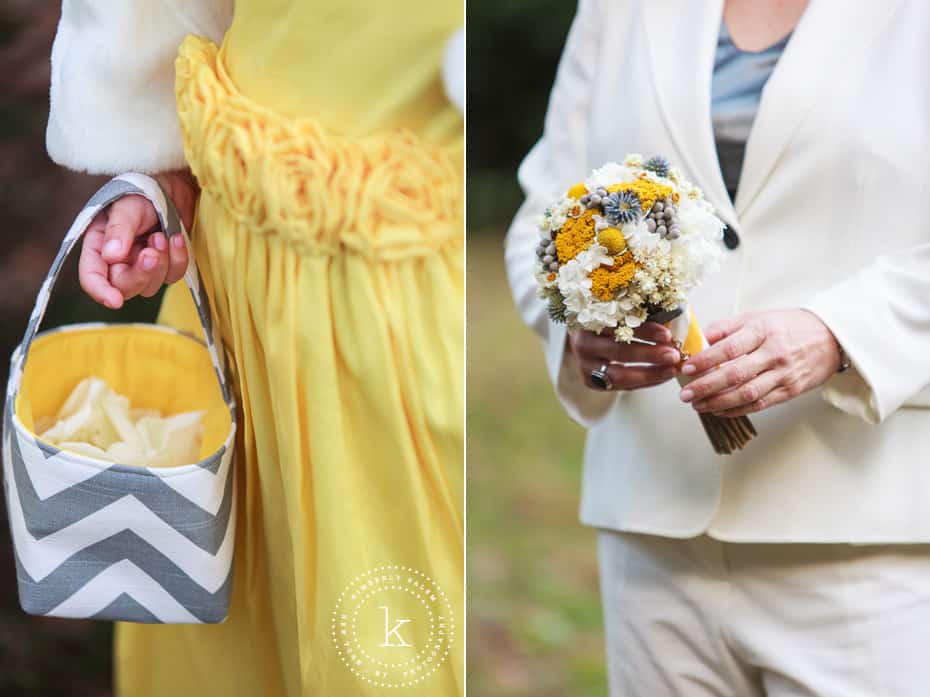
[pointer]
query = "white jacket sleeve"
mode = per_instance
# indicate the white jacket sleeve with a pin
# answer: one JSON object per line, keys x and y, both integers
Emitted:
{"x": 112, "y": 105}
{"x": 881, "y": 317}
{"x": 559, "y": 159}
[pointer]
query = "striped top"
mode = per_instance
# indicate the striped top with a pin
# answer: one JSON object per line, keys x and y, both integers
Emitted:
{"x": 736, "y": 89}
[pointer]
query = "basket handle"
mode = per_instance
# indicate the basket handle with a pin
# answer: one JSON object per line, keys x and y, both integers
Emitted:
{"x": 170, "y": 221}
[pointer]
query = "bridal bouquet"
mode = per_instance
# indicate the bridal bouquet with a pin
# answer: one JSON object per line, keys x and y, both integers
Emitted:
{"x": 626, "y": 246}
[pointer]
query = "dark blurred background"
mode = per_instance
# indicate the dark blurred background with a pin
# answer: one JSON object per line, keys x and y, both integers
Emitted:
{"x": 534, "y": 618}
{"x": 38, "y": 201}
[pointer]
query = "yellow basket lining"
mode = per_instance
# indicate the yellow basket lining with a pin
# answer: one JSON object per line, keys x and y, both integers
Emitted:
{"x": 154, "y": 368}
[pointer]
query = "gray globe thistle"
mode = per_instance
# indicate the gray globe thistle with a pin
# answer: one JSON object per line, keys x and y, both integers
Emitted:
{"x": 557, "y": 309}
{"x": 622, "y": 207}
{"x": 657, "y": 165}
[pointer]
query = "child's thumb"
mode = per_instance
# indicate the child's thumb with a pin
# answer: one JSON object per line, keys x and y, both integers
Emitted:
{"x": 128, "y": 218}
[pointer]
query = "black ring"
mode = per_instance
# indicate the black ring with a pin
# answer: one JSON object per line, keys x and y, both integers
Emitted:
{"x": 601, "y": 379}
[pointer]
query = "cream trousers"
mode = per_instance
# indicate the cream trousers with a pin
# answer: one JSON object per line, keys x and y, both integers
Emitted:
{"x": 698, "y": 617}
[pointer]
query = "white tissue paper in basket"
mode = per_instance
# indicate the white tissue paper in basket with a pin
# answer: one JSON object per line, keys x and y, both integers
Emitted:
{"x": 97, "y": 422}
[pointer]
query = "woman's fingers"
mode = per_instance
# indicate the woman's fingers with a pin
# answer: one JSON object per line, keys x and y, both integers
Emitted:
{"x": 721, "y": 329}
{"x": 93, "y": 271}
{"x": 652, "y": 331}
{"x": 741, "y": 342}
{"x": 748, "y": 392}
{"x": 127, "y": 218}
{"x": 628, "y": 377}
{"x": 603, "y": 347}
{"x": 776, "y": 396}
{"x": 727, "y": 377}
{"x": 178, "y": 260}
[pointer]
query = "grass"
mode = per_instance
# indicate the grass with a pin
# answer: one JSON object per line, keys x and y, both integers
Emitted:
{"x": 533, "y": 601}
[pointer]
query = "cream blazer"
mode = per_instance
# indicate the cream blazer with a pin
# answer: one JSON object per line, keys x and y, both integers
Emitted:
{"x": 833, "y": 214}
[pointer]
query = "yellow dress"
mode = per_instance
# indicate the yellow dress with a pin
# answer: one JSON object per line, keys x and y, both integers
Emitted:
{"x": 330, "y": 236}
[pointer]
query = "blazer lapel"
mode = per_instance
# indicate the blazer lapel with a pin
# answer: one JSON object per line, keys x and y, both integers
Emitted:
{"x": 681, "y": 39}
{"x": 814, "y": 54}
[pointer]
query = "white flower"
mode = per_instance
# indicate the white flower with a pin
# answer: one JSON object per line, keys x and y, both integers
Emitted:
{"x": 542, "y": 279}
{"x": 626, "y": 304}
{"x": 647, "y": 283}
{"x": 574, "y": 285}
{"x": 697, "y": 252}
{"x": 594, "y": 256}
{"x": 597, "y": 315}
{"x": 608, "y": 175}
{"x": 623, "y": 333}
{"x": 557, "y": 214}
{"x": 643, "y": 243}
{"x": 634, "y": 159}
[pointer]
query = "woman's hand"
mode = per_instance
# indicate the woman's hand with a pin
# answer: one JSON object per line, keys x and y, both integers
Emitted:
{"x": 119, "y": 259}
{"x": 596, "y": 350}
{"x": 764, "y": 359}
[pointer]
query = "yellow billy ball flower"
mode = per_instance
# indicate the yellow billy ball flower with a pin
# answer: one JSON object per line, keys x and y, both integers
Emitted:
{"x": 577, "y": 191}
{"x": 613, "y": 240}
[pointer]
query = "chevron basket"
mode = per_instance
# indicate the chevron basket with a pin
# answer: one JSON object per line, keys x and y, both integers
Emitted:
{"x": 108, "y": 541}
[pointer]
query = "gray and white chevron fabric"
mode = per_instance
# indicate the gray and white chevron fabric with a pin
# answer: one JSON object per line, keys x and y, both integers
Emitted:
{"x": 99, "y": 540}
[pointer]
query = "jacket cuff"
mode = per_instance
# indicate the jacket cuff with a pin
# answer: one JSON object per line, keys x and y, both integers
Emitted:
{"x": 585, "y": 406}
{"x": 852, "y": 390}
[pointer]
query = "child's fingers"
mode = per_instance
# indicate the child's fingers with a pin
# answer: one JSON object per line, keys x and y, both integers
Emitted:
{"x": 127, "y": 218}
{"x": 93, "y": 271}
{"x": 136, "y": 278}
{"x": 178, "y": 259}
{"x": 156, "y": 275}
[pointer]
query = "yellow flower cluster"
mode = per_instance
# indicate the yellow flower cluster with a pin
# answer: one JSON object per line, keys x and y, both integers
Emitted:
{"x": 575, "y": 236}
{"x": 607, "y": 280}
{"x": 647, "y": 190}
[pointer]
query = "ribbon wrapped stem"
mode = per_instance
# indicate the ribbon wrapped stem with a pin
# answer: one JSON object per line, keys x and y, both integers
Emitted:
{"x": 726, "y": 434}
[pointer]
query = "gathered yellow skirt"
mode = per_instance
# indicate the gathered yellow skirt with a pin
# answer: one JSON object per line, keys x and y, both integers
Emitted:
{"x": 336, "y": 270}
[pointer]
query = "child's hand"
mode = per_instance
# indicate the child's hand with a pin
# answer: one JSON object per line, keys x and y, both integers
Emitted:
{"x": 120, "y": 259}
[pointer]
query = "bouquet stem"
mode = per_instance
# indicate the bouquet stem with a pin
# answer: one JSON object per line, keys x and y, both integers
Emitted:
{"x": 727, "y": 434}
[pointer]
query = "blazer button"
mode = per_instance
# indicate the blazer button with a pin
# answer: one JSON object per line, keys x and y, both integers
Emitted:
{"x": 730, "y": 238}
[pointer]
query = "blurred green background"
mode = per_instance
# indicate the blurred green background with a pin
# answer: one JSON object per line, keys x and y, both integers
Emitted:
{"x": 38, "y": 201}
{"x": 533, "y": 600}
